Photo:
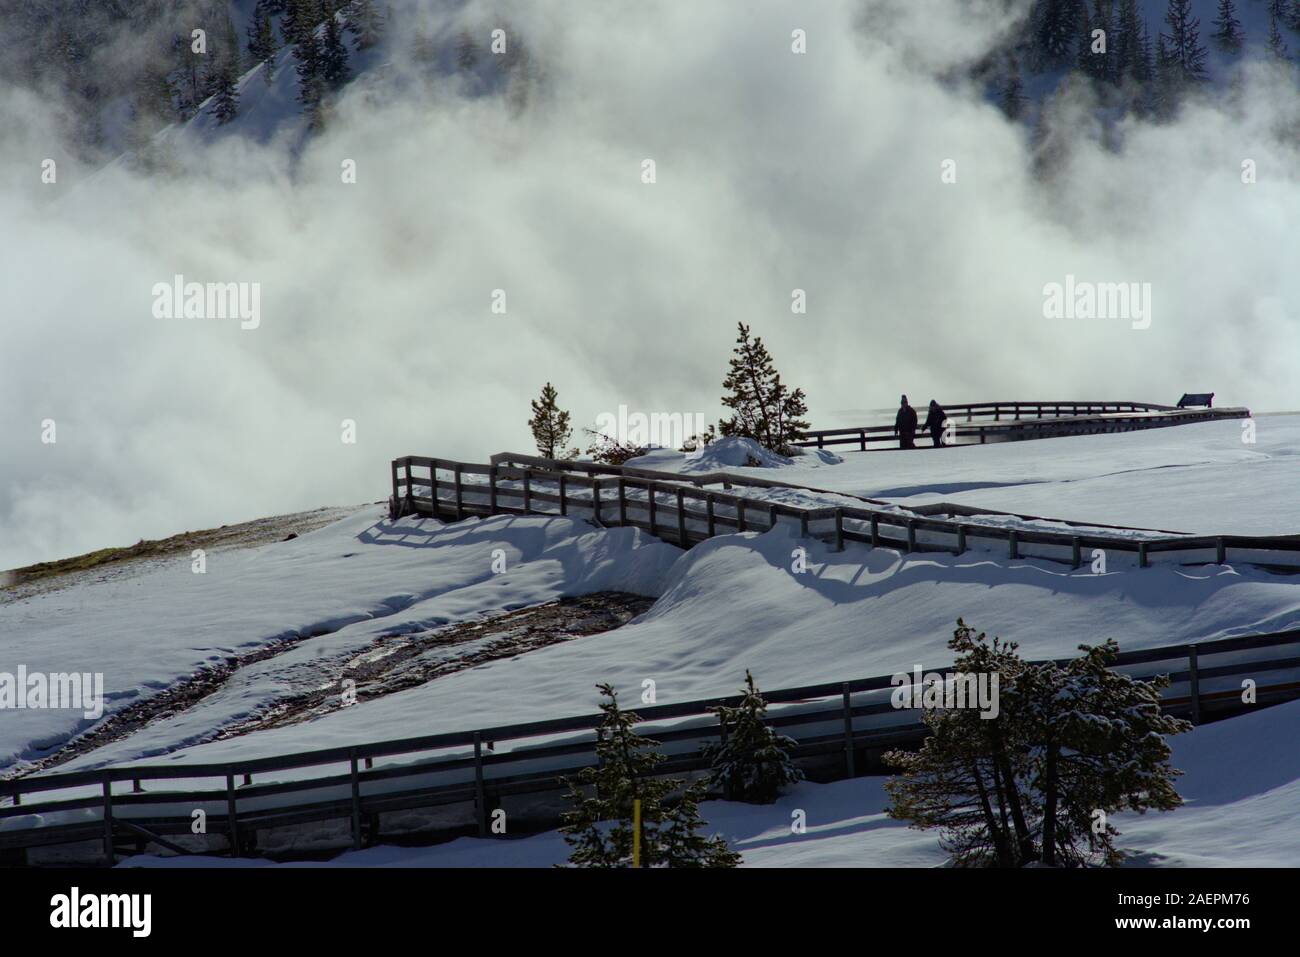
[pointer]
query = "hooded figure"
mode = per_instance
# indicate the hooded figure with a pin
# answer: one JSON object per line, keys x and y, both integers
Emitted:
{"x": 905, "y": 425}
{"x": 934, "y": 420}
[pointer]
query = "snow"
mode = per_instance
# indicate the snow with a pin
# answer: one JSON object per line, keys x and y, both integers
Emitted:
{"x": 1241, "y": 786}
{"x": 1200, "y": 479}
{"x": 345, "y": 584}
{"x": 730, "y": 604}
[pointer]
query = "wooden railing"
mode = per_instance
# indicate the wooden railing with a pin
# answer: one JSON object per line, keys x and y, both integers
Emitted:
{"x": 983, "y": 422}
{"x": 472, "y": 768}
{"x": 681, "y": 509}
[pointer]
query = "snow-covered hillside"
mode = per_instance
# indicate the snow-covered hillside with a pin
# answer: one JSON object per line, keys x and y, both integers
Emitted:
{"x": 727, "y": 605}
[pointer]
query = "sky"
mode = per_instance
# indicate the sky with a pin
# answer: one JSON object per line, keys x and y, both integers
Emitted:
{"x": 775, "y": 171}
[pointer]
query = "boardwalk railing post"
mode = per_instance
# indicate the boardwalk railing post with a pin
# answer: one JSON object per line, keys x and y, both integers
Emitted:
{"x": 356, "y": 802}
{"x": 108, "y": 819}
{"x": 911, "y": 535}
{"x": 397, "y": 502}
{"x": 651, "y": 504}
{"x": 410, "y": 487}
{"x": 740, "y": 514}
{"x": 708, "y": 511}
{"x": 595, "y": 500}
{"x": 1142, "y": 554}
{"x": 480, "y": 800}
{"x": 460, "y": 493}
{"x": 1075, "y": 548}
{"x": 862, "y": 439}
{"x": 564, "y": 505}
{"x": 849, "y": 761}
{"x": 622, "y": 501}
{"x": 1012, "y": 544}
{"x": 1195, "y": 680}
{"x": 232, "y": 817}
{"x": 492, "y": 489}
{"x": 528, "y": 490}
{"x": 839, "y": 529}
{"x": 803, "y": 524}
{"x": 1220, "y": 553}
{"x": 681, "y": 519}
{"x": 875, "y": 530}
{"x": 961, "y": 539}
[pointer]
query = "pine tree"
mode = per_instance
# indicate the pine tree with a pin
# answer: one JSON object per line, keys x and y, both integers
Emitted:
{"x": 970, "y": 778}
{"x": 763, "y": 407}
{"x": 262, "y": 44}
{"x": 365, "y": 23}
{"x": 1127, "y": 42}
{"x": 1055, "y": 27}
{"x": 225, "y": 74}
{"x": 333, "y": 56}
{"x": 1011, "y": 98}
{"x": 1146, "y": 68}
{"x": 467, "y": 52}
{"x": 1066, "y": 743}
{"x": 549, "y": 424}
{"x": 1164, "y": 81}
{"x": 1276, "y": 45}
{"x": 1184, "y": 50}
{"x": 1227, "y": 33}
{"x": 1294, "y": 17}
{"x": 599, "y": 826}
{"x": 1097, "y": 744}
{"x": 1096, "y": 63}
{"x": 752, "y": 761}
{"x": 311, "y": 81}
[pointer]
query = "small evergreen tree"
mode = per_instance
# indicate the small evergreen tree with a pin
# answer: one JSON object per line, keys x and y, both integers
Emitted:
{"x": 1011, "y": 98}
{"x": 1184, "y": 51}
{"x": 311, "y": 80}
{"x": 1054, "y": 30}
{"x": 763, "y": 407}
{"x": 970, "y": 777}
{"x": 1097, "y": 745}
{"x": 752, "y": 761}
{"x": 1127, "y": 42}
{"x": 1276, "y": 44}
{"x": 599, "y": 827}
{"x": 299, "y": 20}
{"x": 1227, "y": 32}
{"x": 467, "y": 52}
{"x": 549, "y": 424}
{"x": 333, "y": 56}
{"x": 1027, "y": 784}
{"x": 262, "y": 44}
{"x": 365, "y": 23}
{"x": 225, "y": 76}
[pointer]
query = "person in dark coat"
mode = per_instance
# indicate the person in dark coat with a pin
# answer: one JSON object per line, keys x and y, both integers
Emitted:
{"x": 905, "y": 425}
{"x": 934, "y": 420}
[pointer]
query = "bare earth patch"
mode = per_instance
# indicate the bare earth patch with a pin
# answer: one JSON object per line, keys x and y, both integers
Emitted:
{"x": 389, "y": 664}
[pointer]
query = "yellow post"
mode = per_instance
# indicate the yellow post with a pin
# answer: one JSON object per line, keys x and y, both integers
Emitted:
{"x": 636, "y": 832}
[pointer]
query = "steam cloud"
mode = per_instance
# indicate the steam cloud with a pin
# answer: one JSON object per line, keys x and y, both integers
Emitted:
{"x": 775, "y": 171}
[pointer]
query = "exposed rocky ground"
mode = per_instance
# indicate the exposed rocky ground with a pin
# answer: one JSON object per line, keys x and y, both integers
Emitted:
{"x": 390, "y": 663}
